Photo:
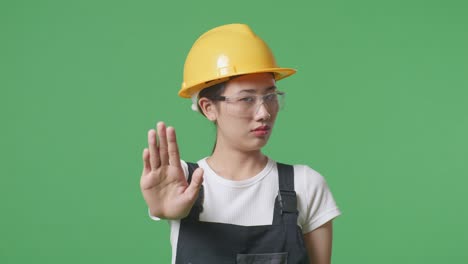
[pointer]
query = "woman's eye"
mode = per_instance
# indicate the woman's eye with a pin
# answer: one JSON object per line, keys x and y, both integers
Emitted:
{"x": 270, "y": 98}
{"x": 248, "y": 99}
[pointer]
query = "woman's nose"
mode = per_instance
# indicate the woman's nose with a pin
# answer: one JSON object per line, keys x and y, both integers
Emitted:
{"x": 262, "y": 112}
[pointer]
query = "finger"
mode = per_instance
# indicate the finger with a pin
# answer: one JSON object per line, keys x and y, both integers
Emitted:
{"x": 146, "y": 161}
{"x": 173, "y": 148}
{"x": 163, "y": 154}
{"x": 153, "y": 149}
{"x": 194, "y": 188}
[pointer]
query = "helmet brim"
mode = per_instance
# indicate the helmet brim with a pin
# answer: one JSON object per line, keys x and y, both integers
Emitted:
{"x": 189, "y": 90}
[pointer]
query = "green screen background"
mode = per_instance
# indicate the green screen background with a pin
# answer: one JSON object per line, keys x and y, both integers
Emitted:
{"x": 379, "y": 107}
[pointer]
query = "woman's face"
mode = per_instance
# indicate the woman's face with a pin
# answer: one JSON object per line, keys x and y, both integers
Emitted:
{"x": 241, "y": 124}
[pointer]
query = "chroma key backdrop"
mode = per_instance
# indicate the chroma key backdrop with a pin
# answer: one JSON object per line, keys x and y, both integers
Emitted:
{"x": 379, "y": 106}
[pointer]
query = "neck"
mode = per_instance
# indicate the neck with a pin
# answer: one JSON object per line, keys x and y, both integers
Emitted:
{"x": 234, "y": 164}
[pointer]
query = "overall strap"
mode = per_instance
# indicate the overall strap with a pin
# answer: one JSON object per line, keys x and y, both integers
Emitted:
{"x": 197, "y": 207}
{"x": 287, "y": 195}
{"x": 286, "y": 200}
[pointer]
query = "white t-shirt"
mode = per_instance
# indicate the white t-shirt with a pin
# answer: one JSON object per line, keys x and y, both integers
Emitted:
{"x": 251, "y": 202}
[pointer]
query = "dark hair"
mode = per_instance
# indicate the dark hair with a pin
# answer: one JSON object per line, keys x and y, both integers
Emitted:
{"x": 213, "y": 92}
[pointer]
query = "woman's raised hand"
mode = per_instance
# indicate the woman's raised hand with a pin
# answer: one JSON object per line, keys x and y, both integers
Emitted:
{"x": 163, "y": 183}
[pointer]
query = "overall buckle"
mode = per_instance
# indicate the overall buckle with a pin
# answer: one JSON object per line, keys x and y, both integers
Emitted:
{"x": 287, "y": 201}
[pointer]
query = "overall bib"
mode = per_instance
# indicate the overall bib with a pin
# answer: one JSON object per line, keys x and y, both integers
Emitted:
{"x": 217, "y": 243}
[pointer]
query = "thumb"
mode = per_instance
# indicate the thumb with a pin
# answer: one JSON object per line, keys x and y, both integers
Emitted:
{"x": 197, "y": 179}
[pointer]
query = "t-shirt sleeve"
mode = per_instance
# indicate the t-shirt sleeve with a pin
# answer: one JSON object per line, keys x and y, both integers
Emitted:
{"x": 320, "y": 204}
{"x": 185, "y": 168}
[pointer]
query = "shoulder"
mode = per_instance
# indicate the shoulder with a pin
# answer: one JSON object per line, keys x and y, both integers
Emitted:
{"x": 309, "y": 184}
{"x": 307, "y": 180}
{"x": 316, "y": 204}
{"x": 306, "y": 175}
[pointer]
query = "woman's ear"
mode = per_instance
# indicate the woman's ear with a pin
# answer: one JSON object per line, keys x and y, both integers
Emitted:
{"x": 208, "y": 108}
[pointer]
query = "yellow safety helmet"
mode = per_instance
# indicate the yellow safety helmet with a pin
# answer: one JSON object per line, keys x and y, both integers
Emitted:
{"x": 227, "y": 51}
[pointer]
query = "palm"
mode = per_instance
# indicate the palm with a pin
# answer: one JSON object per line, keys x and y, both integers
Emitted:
{"x": 163, "y": 182}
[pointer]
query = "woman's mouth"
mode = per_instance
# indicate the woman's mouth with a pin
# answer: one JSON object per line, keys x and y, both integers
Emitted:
{"x": 261, "y": 131}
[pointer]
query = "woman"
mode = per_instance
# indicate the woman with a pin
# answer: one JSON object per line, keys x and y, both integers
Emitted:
{"x": 238, "y": 206}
